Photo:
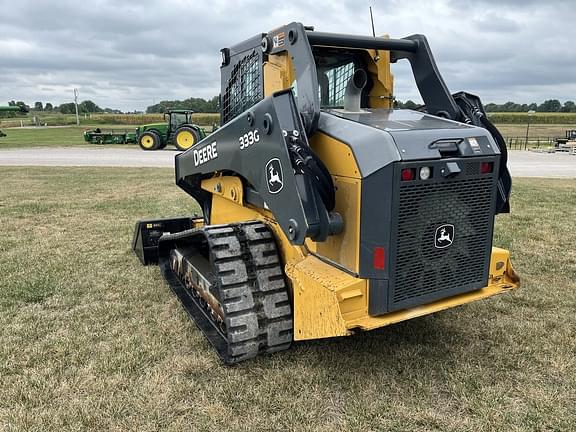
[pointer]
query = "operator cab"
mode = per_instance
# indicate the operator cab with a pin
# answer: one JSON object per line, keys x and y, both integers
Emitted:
{"x": 348, "y": 80}
{"x": 334, "y": 69}
{"x": 177, "y": 118}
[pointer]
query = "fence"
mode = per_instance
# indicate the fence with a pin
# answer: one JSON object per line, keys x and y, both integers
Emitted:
{"x": 520, "y": 143}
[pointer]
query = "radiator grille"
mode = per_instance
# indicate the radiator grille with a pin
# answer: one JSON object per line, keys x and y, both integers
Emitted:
{"x": 423, "y": 270}
{"x": 244, "y": 88}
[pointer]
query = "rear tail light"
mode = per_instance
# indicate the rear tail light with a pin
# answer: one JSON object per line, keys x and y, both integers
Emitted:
{"x": 486, "y": 167}
{"x": 408, "y": 174}
{"x": 379, "y": 258}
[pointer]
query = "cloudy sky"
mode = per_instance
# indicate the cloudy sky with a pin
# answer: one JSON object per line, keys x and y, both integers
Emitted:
{"x": 129, "y": 54}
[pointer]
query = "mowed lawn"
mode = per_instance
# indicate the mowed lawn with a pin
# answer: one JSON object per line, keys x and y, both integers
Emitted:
{"x": 91, "y": 340}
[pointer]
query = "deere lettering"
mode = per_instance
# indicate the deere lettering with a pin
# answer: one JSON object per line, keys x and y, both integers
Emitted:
{"x": 205, "y": 154}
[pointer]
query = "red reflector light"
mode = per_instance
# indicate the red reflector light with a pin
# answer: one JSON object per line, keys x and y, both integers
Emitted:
{"x": 379, "y": 258}
{"x": 486, "y": 167}
{"x": 408, "y": 174}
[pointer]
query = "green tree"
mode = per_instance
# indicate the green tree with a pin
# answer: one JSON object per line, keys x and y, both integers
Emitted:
{"x": 88, "y": 106}
{"x": 48, "y": 107}
{"x": 569, "y": 106}
{"x": 38, "y": 106}
{"x": 194, "y": 104}
{"x": 550, "y": 105}
{"x": 410, "y": 105}
{"x": 67, "y": 108}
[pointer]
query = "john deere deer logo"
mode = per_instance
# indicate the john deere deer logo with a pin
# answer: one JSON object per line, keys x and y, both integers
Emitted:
{"x": 274, "y": 178}
{"x": 444, "y": 236}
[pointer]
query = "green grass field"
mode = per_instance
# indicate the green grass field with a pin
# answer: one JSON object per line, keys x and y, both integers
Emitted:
{"x": 45, "y": 137}
{"x": 90, "y": 340}
{"x": 536, "y": 130}
{"x": 536, "y": 118}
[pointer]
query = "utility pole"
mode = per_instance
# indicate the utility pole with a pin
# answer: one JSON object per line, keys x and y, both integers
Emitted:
{"x": 76, "y": 105}
{"x": 528, "y": 128}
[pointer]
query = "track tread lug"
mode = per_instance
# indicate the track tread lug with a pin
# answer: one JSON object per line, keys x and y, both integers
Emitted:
{"x": 248, "y": 279}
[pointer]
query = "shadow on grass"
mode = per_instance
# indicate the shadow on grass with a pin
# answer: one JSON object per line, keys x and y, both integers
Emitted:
{"x": 433, "y": 342}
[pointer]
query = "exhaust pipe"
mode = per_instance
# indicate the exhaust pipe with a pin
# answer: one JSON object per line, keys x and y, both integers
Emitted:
{"x": 353, "y": 94}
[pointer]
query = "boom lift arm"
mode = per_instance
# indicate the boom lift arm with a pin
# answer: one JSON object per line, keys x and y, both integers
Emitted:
{"x": 267, "y": 147}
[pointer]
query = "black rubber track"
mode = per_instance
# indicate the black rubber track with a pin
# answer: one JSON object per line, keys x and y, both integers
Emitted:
{"x": 248, "y": 280}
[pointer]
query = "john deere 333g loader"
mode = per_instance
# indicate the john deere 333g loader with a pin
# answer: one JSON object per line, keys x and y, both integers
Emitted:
{"x": 325, "y": 210}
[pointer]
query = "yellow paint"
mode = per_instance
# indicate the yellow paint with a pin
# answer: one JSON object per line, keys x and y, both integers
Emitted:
{"x": 328, "y": 302}
{"x": 228, "y": 187}
{"x": 344, "y": 248}
{"x": 505, "y": 281}
{"x": 197, "y": 222}
{"x": 323, "y": 298}
{"x": 147, "y": 142}
{"x": 336, "y": 155}
{"x": 380, "y": 95}
{"x": 278, "y": 73}
{"x": 185, "y": 139}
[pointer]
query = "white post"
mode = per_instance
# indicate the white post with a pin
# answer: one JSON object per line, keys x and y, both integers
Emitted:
{"x": 528, "y": 128}
{"x": 76, "y": 105}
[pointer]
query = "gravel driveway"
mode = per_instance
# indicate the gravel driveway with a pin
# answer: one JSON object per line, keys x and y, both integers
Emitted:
{"x": 521, "y": 163}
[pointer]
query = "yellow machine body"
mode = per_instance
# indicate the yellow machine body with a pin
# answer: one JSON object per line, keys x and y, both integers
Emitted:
{"x": 327, "y": 301}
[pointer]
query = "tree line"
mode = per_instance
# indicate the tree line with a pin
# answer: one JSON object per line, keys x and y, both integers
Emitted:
{"x": 212, "y": 105}
{"x": 195, "y": 104}
{"x": 550, "y": 105}
{"x": 84, "y": 107}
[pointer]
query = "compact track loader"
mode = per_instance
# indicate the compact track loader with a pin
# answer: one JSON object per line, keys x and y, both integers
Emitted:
{"x": 325, "y": 210}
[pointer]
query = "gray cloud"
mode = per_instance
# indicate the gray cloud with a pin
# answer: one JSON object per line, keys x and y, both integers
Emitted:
{"x": 129, "y": 54}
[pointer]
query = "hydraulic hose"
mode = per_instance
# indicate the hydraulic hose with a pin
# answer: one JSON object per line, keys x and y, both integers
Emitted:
{"x": 306, "y": 162}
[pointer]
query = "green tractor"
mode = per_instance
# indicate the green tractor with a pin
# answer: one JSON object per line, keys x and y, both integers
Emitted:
{"x": 177, "y": 129}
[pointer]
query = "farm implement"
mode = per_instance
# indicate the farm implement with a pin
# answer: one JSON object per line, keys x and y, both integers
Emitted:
{"x": 99, "y": 136}
{"x": 326, "y": 211}
{"x": 567, "y": 143}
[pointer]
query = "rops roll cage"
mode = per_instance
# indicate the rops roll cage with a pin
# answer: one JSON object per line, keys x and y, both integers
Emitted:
{"x": 297, "y": 41}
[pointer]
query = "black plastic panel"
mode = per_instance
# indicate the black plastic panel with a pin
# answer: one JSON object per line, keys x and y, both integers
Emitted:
{"x": 422, "y": 269}
{"x": 148, "y": 232}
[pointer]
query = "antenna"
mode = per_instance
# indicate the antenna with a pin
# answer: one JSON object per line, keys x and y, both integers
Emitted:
{"x": 377, "y": 56}
{"x": 372, "y": 21}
